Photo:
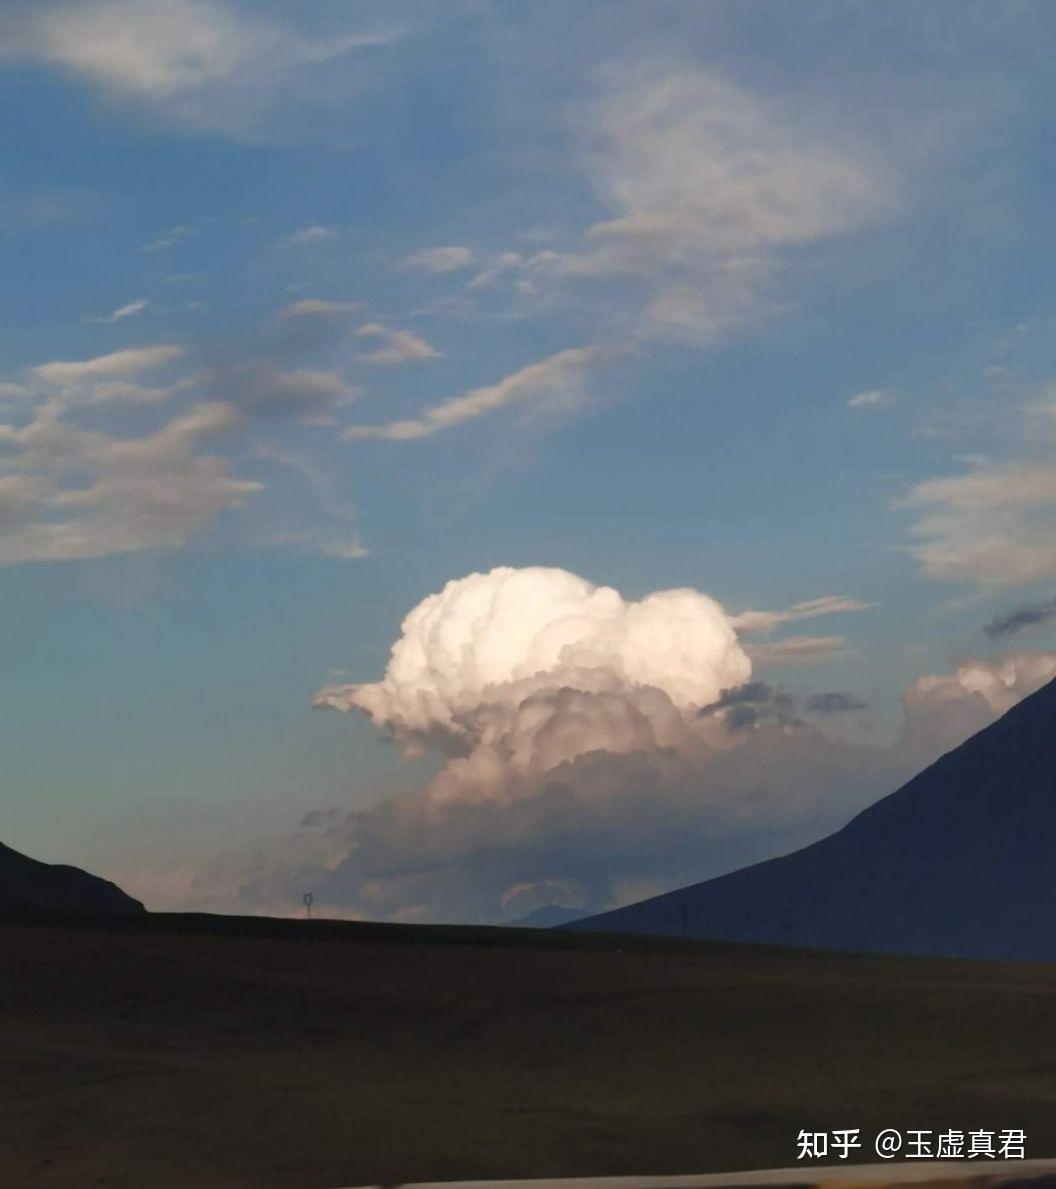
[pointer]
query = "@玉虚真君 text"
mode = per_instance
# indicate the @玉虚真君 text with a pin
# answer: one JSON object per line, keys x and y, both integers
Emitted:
{"x": 891, "y": 1142}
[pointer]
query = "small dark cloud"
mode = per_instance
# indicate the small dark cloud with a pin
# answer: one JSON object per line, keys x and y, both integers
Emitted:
{"x": 833, "y": 703}
{"x": 275, "y": 373}
{"x": 319, "y": 818}
{"x": 260, "y": 388}
{"x": 1028, "y": 616}
{"x": 754, "y": 702}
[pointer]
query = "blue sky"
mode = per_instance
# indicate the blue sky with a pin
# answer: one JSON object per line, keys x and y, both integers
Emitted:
{"x": 309, "y": 312}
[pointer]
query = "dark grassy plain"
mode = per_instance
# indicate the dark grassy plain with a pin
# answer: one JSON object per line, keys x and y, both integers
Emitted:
{"x": 193, "y": 1051}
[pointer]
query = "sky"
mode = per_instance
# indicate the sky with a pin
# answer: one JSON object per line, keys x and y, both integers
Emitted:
{"x": 371, "y": 374}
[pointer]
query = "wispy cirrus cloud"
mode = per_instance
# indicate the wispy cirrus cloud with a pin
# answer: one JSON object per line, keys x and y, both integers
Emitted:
{"x": 556, "y": 382}
{"x": 763, "y": 622}
{"x": 441, "y": 260}
{"x": 68, "y": 492}
{"x": 214, "y": 64}
{"x": 133, "y": 361}
{"x": 128, "y": 310}
{"x": 708, "y": 190}
{"x": 314, "y": 233}
{"x": 74, "y": 487}
{"x": 992, "y": 525}
{"x": 314, "y": 308}
{"x": 394, "y": 346}
{"x": 798, "y": 650}
{"x": 167, "y": 239}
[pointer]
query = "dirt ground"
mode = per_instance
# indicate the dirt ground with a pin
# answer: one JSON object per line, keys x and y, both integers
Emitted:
{"x": 185, "y": 1052}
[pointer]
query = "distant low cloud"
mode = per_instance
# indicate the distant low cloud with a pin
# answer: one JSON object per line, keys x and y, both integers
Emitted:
{"x": 798, "y": 650}
{"x": 747, "y": 705}
{"x": 556, "y": 380}
{"x": 441, "y": 260}
{"x": 756, "y": 702}
{"x": 316, "y": 233}
{"x": 314, "y": 308}
{"x": 1028, "y": 616}
{"x": 834, "y": 703}
{"x": 396, "y": 346}
{"x": 942, "y": 709}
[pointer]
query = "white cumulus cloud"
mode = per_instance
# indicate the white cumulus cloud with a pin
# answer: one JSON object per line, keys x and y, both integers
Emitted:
{"x": 942, "y": 709}
{"x": 593, "y": 744}
{"x": 537, "y": 628}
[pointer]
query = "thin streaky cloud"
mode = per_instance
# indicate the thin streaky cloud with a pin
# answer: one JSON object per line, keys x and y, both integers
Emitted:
{"x": 559, "y": 376}
{"x": 441, "y": 260}
{"x": 992, "y": 526}
{"x": 314, "y": 308}
{"x": 315, "y": 233}
{"x": 198, "y": 62}
{"x": 763, "y": 622}
{"x": 128, "y": 310}
{"x": 168, "y": 239}
{"x": 395, "y": 346}
{"x": 130, "y": 362}
{"x": 798, "y": 650}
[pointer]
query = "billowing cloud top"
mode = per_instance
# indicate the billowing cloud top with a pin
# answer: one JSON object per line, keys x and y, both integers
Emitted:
{"x": 597, "y": 749}
{"x": 488, "y": 630}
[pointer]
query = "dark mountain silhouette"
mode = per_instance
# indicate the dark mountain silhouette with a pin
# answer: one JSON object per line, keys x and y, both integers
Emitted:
{"x": 26, "y": 884}
{"x": 961, "y": 861}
